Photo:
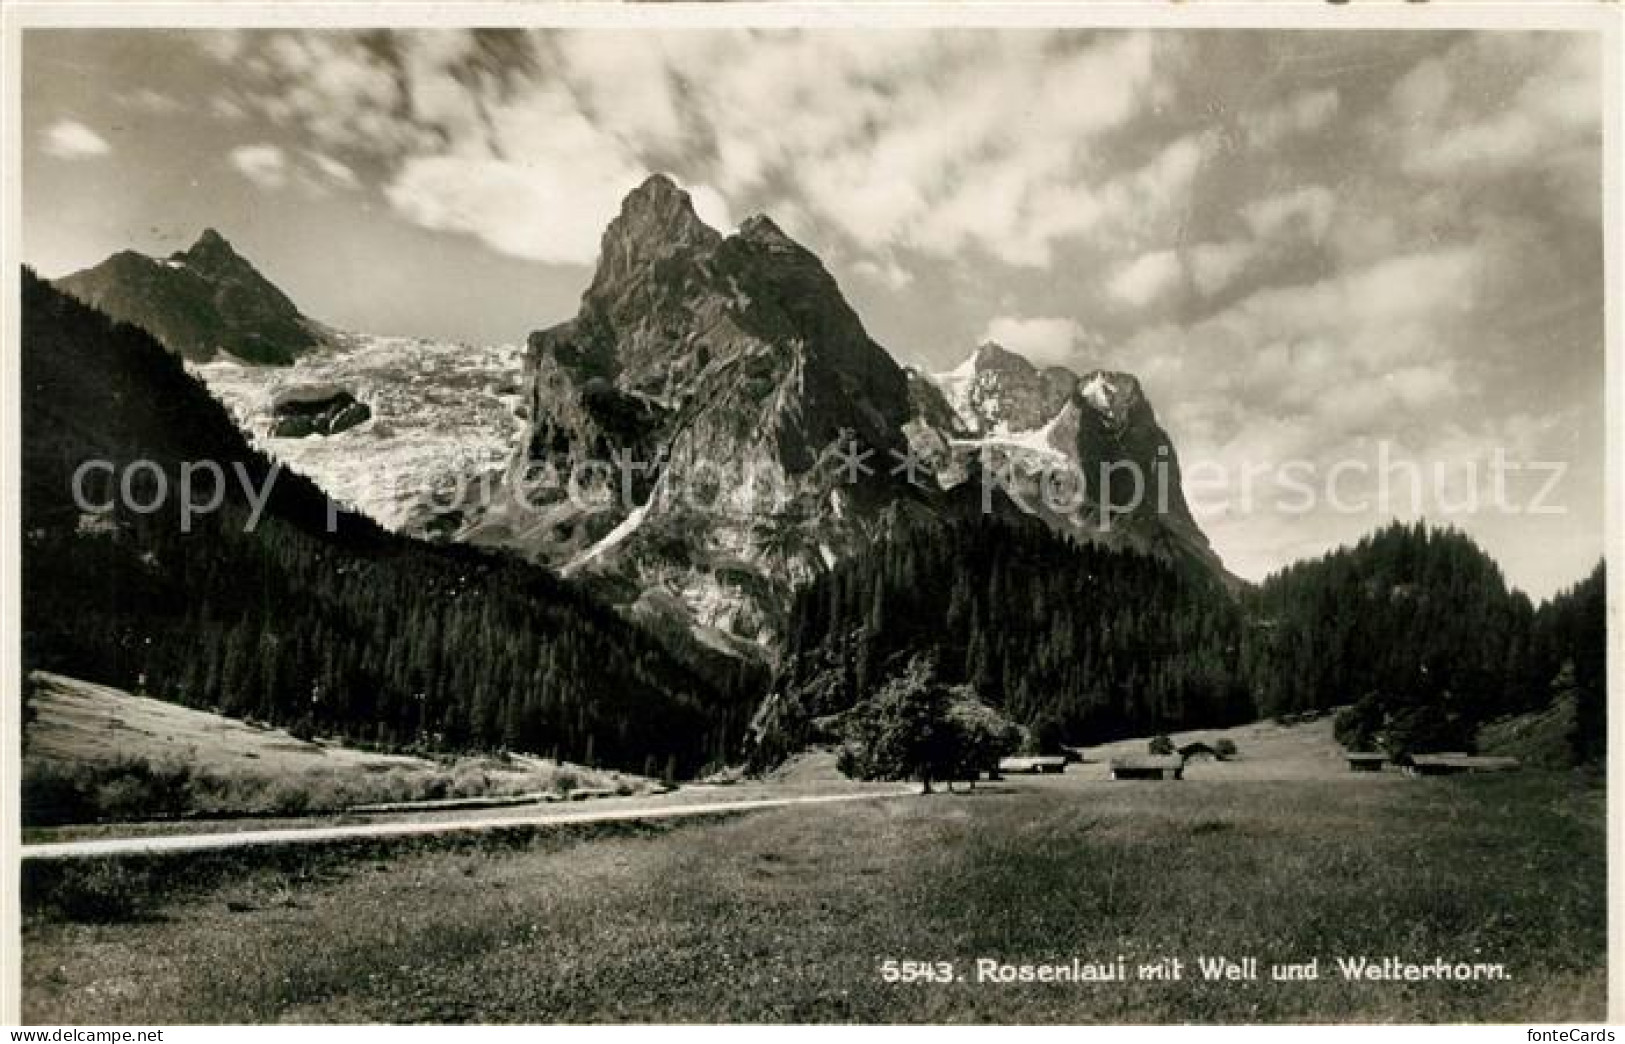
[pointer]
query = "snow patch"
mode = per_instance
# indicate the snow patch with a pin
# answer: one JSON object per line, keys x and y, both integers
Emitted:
{"x": 1100, "y": 392}
{"x": 617, "y": 536}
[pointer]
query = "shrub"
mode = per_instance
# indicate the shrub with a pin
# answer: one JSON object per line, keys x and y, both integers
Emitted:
{"x": 1161, "y": 745}
{"x": 1359, "y": 727}
{"x": 1046, "y": 738}
{"x": 1224, "y": 749}
{"x": 469, "y": 780}
{"x": 290, "y": 797}
{"x": 1426, "y": 729}
{"x": 905, "y": 732}
{"x": 850, "y": 761}
{"x": 93, "y": 891}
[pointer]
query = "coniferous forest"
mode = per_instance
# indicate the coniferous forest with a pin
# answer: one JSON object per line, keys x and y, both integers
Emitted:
{"x": 354, "y": 633}
{"x": 358, "y": 633}
{"x": 1102, "y": 644}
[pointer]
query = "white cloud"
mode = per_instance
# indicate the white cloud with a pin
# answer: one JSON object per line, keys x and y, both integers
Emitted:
{"x": 711, "y": 207}
{"x": 1214, "y": 266}
{"x": 1146, "y": 278}
{"x": 333, "y": 170}
{"x": 223, "y": 107}
{"x": 152, "y": 101}
{"x": 1307, "y": 210}
{"x": 1304, "y": 113}
{"x": 1044, "y": 341}
{"x": 265, "y": 165}
{"x": 517, "y": 209}
{"x": 72, "y": 140}
{"x": 1500, "y": 103}
{"x": 887, "y": 273}
{"x": 847, "y": 125}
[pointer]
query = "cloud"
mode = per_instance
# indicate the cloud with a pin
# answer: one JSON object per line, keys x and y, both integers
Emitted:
{"x": 1499, "y": 104}
{"x": 223, "y": 108}
{"x": 1145, "y": 279}
{"x": 265, "y": 165}
{"x": 1044, "y": 341}
{"x": 844, "y": 125}
{"x": 72, "y": 140}
{"x": 887, "y": 273}
{"x": 332, "y": 170}
{"x": 152, "y": 101}
{"x": 1214, "y": 266}
{"x": 1307, "y": 211}
{"x": 1300, "y": 371}
{"x": 711, "y": 207}
{"x": 1303, "y": 113}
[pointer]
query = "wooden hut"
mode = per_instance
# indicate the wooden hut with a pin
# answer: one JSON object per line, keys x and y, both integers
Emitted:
{"x": 1151, "y": 766}
{"x": 1033, "y": 764}
{"x": 1457, "y": 764}
{"x": 1366, "y": 761}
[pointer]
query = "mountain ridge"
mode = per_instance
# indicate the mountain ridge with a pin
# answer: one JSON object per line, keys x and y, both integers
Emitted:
{"x": 200, "y": 302}
{"x": 740, "y": 356}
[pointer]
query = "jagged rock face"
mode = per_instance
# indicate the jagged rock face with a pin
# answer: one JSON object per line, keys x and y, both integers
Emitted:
{"x": 199, "y": 302}
{"x": 1086, "y": 454}
{"x": 929, "y": 405}
{"x": 680, "y": 455}
{"x": 726, "y": 369}
{"x": 304, "y": 413}
{"x": 996, "y": 390}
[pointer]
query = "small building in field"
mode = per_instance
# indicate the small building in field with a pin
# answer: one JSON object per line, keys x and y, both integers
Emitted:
{"x": 1033, "y": 764}
{"x": 1366, "y": 760}
{"x": 1149, "y": 766}
{"x": 1457, "y": 764}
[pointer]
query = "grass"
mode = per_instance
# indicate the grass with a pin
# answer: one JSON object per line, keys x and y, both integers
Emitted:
{"x": 786, "y": 915}
{"x": 97, "y": 754}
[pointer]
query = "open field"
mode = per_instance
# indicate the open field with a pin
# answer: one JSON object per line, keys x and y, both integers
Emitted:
{"x": 1264, "y": 751}
{"x": 96, "y": 752}
{"x": 787, "y": 914}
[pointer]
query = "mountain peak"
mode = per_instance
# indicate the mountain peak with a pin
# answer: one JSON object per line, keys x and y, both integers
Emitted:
{"x": 761, "y": 230}
{"x": 657, "y": 221}
{"x": 198, "y": 302}
{"x": 1112, "y": 393}
{"x": 212, "y": 250}
{"x": 991, "y": 356}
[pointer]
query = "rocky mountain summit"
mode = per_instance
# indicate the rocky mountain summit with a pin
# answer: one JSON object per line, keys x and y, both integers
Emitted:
{"x": 715, "y": 427}
{"x": 683, "y": 452}
{"x": 1085, "y": 453}
{"x": 199, "y": 303}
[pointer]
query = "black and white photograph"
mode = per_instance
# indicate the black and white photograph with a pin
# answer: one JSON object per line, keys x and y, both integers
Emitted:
{"x": 809, "y": 514}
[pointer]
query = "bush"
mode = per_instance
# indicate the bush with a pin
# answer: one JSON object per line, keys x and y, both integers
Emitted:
{"x": 566, "y": 780}
{"x": 1224, "y": 749}
{"x": 850, "y": 762}
{"x": 55, "y": 794}
{"x": 1359, "y": 727}
{"x": 290, "y": 797}
{"x": 905, "y": 732}
{"x": 469, "y": 780}
{"x": 1161, "y": 745}
{"x": 1427, "y": 729}
{"x": 1046, "y": 738}
{"x": 92, "y": 891}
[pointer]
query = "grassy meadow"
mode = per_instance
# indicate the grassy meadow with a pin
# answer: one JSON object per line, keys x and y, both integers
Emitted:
{"x": 93, "y": 754}
{"x": 786, "y": 915}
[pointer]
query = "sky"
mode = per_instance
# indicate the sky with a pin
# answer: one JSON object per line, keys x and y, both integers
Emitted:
{"x": 1326, "y": 255}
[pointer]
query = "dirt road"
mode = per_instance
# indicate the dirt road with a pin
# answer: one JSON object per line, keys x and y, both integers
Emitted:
{"x": 408, "y": 828}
